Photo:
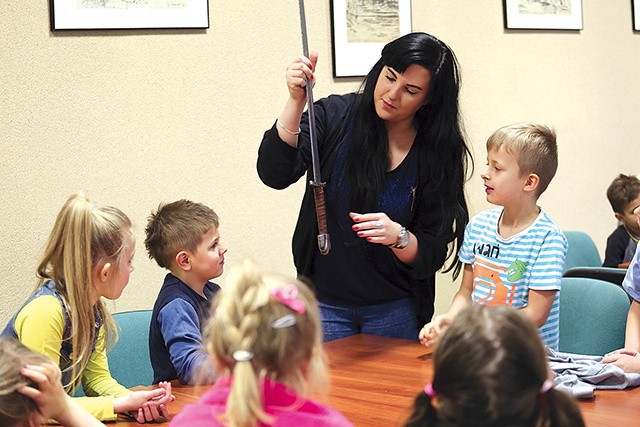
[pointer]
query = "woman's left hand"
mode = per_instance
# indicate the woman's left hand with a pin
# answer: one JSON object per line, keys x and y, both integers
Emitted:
{"x": 375, "y": 227}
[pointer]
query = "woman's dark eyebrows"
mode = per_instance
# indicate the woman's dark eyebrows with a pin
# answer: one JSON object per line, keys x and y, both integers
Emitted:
{"x": 395, "y": 75}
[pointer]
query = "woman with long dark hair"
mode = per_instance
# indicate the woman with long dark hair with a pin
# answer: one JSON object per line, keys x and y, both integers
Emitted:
{"x": 394, "y": 159}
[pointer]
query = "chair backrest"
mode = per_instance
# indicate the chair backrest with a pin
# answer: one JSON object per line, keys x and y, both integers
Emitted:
{"x": 129, "y": 360}
{"x": 593, "y": 316}
{"x": 582, "y": 251}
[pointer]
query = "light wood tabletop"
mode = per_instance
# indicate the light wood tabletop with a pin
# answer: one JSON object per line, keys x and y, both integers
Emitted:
{"x": 374, "y": 381}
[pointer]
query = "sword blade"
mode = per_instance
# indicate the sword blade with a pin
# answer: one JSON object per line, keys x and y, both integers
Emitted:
{"x": 315, "y": 162}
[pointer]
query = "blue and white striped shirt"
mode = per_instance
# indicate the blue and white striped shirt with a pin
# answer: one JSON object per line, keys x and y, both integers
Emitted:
{"x": 505, "y": 269}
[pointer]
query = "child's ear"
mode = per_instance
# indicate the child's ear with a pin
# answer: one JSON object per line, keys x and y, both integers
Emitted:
{"x": 105, "y": 270}
{"x": 182, "y": 260}
{"x": 531, "y": 183}
{"x": 618, "y": 216}
{"x": 35, "y": 420}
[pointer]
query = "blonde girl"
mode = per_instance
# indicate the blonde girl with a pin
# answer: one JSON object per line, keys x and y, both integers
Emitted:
{"x": 31, "y": 391}
{"x": 88, "y": 256}
{"x": 265, "y": 337}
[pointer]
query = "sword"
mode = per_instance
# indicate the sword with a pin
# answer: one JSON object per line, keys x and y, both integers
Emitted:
{"x": 324, "y": 242}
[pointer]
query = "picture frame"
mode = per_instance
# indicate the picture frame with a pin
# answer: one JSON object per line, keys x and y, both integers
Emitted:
{"x": 361, "y": 28}
{"x": 635, "y": 11}
{"x": 128, "y": 14}
{"x": 543, "y": 14}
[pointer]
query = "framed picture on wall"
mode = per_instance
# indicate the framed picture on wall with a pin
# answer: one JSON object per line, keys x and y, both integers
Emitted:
{"x": 131, "y": 14}
{"x": 543, "y": 14}
{"x": 635, "y": 10}
{"x": 361, "y": 28}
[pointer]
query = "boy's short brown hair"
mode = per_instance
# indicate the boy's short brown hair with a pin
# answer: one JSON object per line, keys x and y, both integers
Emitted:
{"x": 533, "y": 145}
{"x": 622, "y": 191}
{"x": 177, "y": 226}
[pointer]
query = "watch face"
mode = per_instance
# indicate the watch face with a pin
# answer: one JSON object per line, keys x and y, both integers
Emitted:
{"x": 404, "y": 238}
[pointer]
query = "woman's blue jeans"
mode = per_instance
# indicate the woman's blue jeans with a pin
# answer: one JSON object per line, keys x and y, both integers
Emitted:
{"x": 392, "y": 319}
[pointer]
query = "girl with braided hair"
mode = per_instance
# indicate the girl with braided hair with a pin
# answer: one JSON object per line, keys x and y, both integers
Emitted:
{"x": 264, "y": 336}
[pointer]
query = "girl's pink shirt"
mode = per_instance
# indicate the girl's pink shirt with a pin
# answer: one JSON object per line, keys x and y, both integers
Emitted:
{"x": 283, "y": 404}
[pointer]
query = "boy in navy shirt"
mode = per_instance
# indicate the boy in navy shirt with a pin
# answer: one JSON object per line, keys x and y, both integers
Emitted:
{"x": 183, "y": 237}
{"x": 624, "y": 197}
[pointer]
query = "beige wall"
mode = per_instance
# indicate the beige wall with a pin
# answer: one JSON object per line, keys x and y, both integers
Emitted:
{"x": 134, "y": 118}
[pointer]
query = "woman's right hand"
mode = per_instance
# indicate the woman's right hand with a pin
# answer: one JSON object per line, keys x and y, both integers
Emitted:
{"x": 298, "y": 73}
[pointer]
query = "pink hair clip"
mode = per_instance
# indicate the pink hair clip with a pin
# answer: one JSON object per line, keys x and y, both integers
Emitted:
{"x": 289, "y": 296}
{"x": 429, "y": 391}
{"x": 546, "y": 386}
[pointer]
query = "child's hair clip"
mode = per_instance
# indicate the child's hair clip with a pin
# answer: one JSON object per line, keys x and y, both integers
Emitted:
{"x": 429, "y": 391}
{"x": 546, "y": 386}
{"x": 242, "y": 355}
{"x": 284, "y": 321}
{"x": 289, "y": 296}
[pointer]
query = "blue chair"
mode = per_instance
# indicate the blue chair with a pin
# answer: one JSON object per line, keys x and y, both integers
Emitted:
{"x": 593, "y": 316}
{"x": 129, "y": 360}
{"x": 583, "y": 260}
{"x": 582, "y": 251}
{"x": 609, "y": 274}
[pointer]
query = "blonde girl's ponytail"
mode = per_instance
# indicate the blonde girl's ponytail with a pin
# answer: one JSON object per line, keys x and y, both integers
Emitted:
{"x": 244, "y": 404}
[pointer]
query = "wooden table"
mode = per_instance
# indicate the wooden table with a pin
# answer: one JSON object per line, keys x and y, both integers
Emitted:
{"x": 374, "y": 381}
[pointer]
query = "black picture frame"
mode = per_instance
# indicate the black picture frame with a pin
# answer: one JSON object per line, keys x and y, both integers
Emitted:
{"x": 543, "y": 14}
{"x": 128, "y": 14}
{"x": 361, "y": 28}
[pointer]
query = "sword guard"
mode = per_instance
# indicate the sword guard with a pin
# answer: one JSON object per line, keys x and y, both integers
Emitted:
{"x": 317, "y": 184}
{"x": 324, "y": 243}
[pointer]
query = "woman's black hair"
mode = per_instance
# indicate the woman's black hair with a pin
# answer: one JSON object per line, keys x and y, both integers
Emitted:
{"x": 439, "y": 129}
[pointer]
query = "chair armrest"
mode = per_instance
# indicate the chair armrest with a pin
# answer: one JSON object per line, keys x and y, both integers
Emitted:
{"x": 609, "y": 274}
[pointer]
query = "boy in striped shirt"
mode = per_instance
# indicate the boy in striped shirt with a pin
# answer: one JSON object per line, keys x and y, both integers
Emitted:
{"x": 513, "y": 254}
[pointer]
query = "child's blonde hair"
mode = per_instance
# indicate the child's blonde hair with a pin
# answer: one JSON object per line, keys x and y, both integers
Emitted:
{"x": 83, "y": 238}
{"x": 283, "y": 344}
{"x": 15, "y": 407}
{"x": 534, "y": 146}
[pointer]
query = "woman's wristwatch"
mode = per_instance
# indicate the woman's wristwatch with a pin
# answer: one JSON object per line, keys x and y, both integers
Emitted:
{"x": 403, "y": 239}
